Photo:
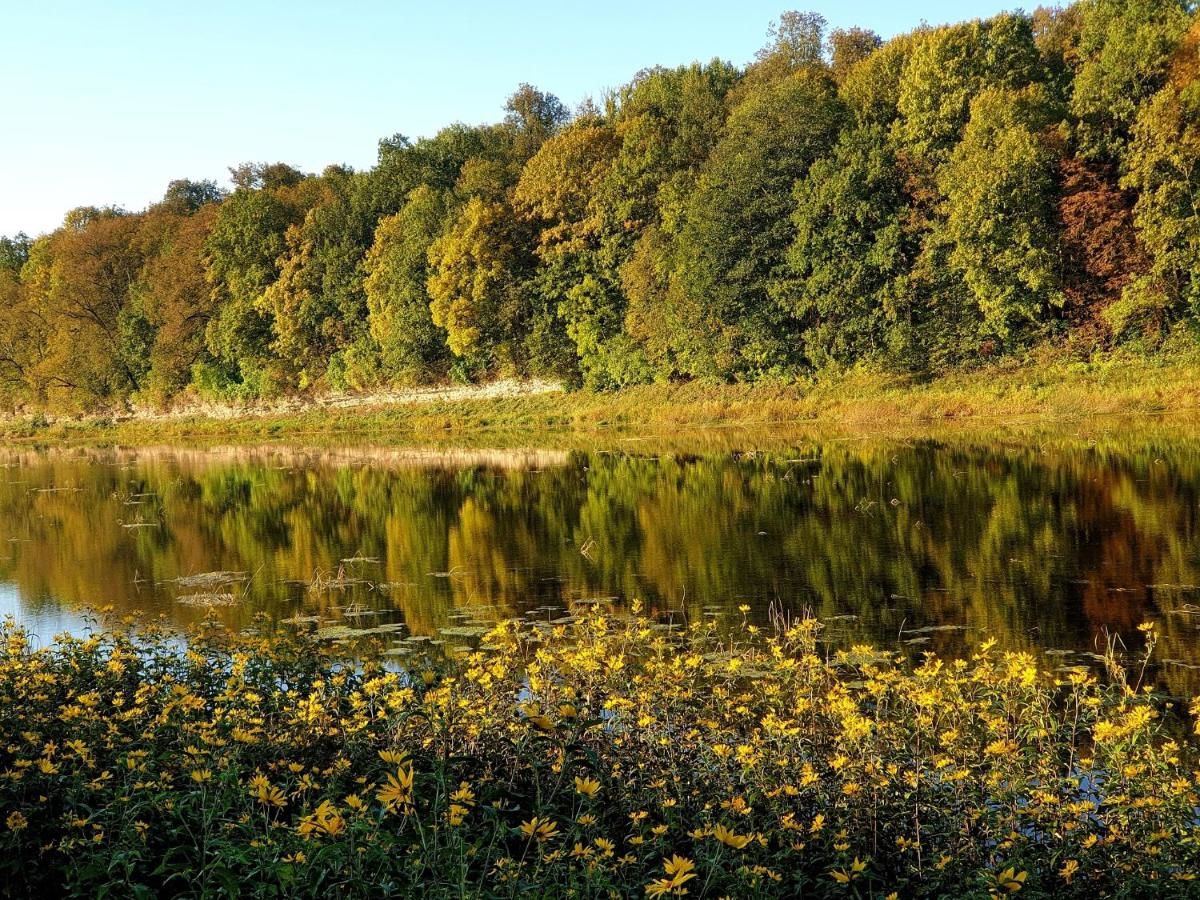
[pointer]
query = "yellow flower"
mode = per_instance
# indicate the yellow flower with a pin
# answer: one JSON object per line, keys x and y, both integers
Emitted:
{"x": 325, "y": 819}
{"x": 266, "y": 793}
{"x": 1011, "y": 880}
{"x": 397, "y": 792}
{"x": 16, "y": 822}
{"x": 537, "y": 827}
{"x": 729, "y": 839}
{"x": 1067, "y": 872}
{"x": 680, "y": 870}
{"x": 202, "y": 776}
{"x": 588, "y": 787}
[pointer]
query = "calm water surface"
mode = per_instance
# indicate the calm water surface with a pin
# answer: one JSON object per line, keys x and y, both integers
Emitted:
{"x": 916, "y": 544}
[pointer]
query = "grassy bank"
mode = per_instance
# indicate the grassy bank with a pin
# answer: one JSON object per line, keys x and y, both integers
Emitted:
{"x": 1037, "y": 388}
{"x": 599, "y": 758}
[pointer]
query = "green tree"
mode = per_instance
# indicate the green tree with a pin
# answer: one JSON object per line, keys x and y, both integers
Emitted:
{"x": 1163, "y": 167}
{"x": 850, "y": 248}
{"x": 848, "y": 47}
{"x": 412, "y": 347}
{"x": 184, "y": 197}
{"x": 739, "y": 228}
{"x": 317, "y": 305}
{"x": 948, "y": 67}
{"x": 241, "y": 261}
{"x": 477, "y": 290}
{"x": 1000, "y": 188}
{"x": 558, "y": 193}
{"x": 14, "y": 252}
{"x": 1124, "y": 50}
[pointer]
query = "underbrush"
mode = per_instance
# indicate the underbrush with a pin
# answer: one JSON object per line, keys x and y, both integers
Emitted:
{"x": 605, "y": 757}
{"x": 1046, "y": 384}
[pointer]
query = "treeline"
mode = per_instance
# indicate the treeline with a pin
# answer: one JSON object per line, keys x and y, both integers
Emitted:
{"x": 952, "y": 194}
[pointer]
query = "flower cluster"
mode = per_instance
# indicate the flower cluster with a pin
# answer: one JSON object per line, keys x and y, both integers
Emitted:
{"x": 606, "y": 757}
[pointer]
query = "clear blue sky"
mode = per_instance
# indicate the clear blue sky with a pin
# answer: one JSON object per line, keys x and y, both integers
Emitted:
{"x": 107, "y": 102}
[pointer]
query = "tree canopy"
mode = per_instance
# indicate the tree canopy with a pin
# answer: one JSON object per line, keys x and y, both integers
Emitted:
{"x": 917, "y": 204}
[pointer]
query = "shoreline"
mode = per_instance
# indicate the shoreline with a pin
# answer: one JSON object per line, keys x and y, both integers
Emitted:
{"x": 1027, "y": 393}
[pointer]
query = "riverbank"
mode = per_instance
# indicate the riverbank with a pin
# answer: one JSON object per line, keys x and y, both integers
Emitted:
{"x": 1038, "y": 388}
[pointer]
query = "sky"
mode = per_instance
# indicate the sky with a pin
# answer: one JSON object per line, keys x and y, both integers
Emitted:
{"x": 108, "y": 102}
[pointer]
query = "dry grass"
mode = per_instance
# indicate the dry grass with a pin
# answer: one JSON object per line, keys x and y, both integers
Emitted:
{"x": 1036, "y": 388}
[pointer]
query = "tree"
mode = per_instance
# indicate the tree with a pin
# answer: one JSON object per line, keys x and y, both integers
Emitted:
{"x": 240, "y": 255}
{"x": 252, "y": 176}
{"x": 797, "y": 39}
{"x": 1163, "y": 167}
{"x": 848, "y": 47}
{"x": 183, "y": 197}
{"x": 870, "y": 88}
{"x": 14, "y": 252}
{"x": 850, "y": 248}
{"x": 1124, "y": 49}
{"x": 411, "y": 346}
{"x": 79, "y": 281}
{"x": 668, "y": 121}
{"x": 1101, "y": 251}
{"x": 1000, "y": 186}
{"x": 476, "y": 285}
{"x": 23, "y": 344}
{"x": 947, "y": 68}
{"x": 173, "y": 296}
{"x": 532, "y": 117}
{"x": 739, "y": 228}
{"x": 317, "y": 306}
{"x": 558, "y": 193}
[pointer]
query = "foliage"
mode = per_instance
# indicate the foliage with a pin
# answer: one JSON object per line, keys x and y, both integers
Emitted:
{"x": 739, "y": 228}
{"x": 601, "y": 757}
{"x": 1028, "y": 177}
{"x": 1124, "y": 48}
{"x": 999, "y": 185}
{"x": 1163, "y": 166}
{"x": 850, "y": 246}
{"x": 397, "y": 269}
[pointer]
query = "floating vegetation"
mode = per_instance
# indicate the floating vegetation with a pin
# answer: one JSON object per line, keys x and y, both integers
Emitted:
{"x": 209, "y": 579}
{"x": 334, "y": 581}
{"x": 300, "y": 620}
{"x": 464, "y": 631}
{"x": 208, "y": 598}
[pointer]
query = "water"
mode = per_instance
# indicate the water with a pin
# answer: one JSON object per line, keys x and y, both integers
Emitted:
{"x": 918, "y": 545}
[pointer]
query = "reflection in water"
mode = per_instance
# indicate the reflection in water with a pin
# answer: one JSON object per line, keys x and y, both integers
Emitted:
{"x": 1040, "y": 548}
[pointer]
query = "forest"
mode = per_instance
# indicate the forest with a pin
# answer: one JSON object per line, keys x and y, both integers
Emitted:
{"x": 922, "y": 204}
